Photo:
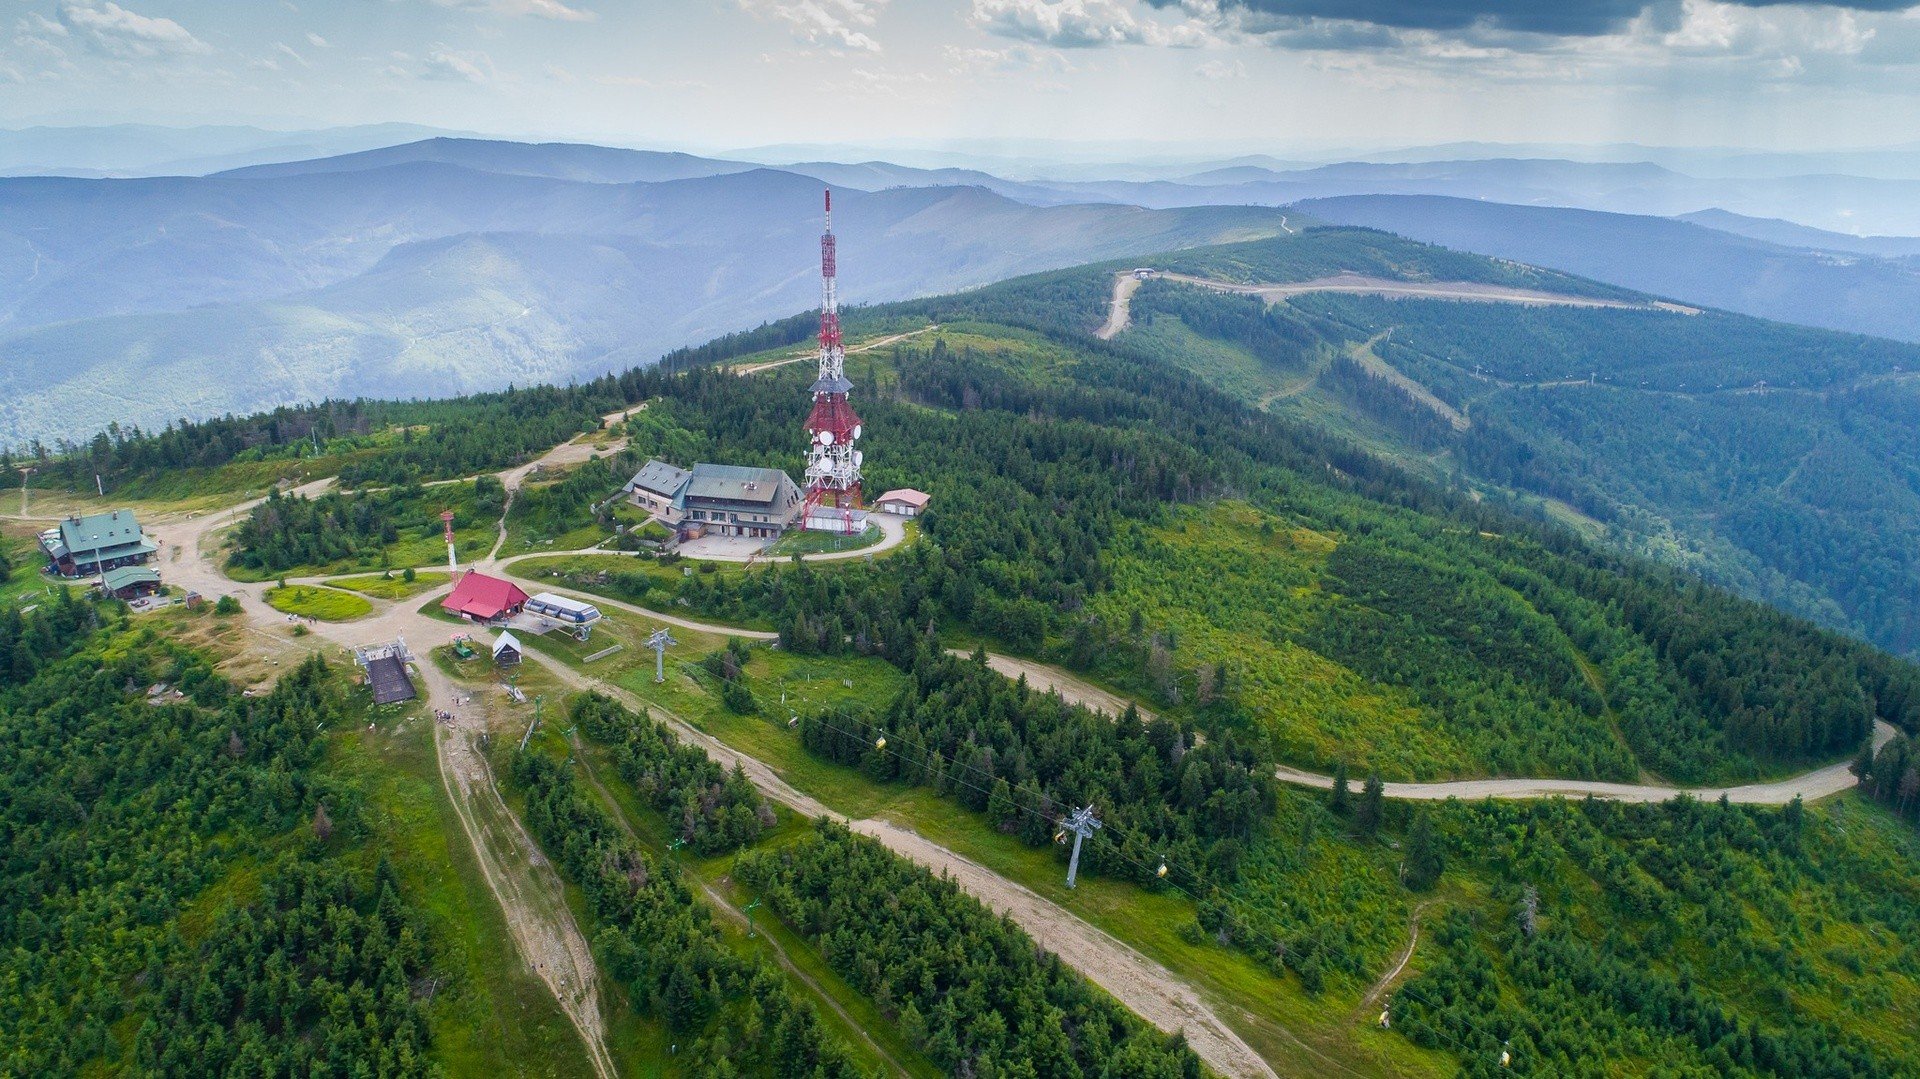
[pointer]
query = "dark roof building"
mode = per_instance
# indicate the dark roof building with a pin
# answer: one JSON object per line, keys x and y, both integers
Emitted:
{"x": 388, "y": 677}
{"x": 97, "y": 541}
{"x": 737, "y": 500}
{"x": 506, "y": 649}
{"x": 483, "y": 598}
{"x": 729, "y": 500}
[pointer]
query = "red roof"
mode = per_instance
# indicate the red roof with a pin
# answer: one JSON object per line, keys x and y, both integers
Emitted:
{"x": 480, "y": 596}
{"x": 906, "y": 496}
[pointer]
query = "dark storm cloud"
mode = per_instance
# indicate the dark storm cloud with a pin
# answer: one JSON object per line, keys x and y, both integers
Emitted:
{"x": 1560, "y": 18}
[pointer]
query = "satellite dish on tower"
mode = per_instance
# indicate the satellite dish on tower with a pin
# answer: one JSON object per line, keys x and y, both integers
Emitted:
{"x": 826, "y": 438}
{"x": 856, "y": 430}
{"x": 859, "y": 456}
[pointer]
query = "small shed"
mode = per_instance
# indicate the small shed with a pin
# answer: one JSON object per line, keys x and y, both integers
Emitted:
{"x": 131, "y": 582}
{"x": 506, "y": 650}
{"x": 902, "y": 502}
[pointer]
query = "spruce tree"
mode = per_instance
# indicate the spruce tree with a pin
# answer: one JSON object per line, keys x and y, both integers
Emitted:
{"x": 1001, "y": 809}
{"x": 1342, "y": 799}
{"x": 1426, "y": 861}
{"x": 1366, "y": 819}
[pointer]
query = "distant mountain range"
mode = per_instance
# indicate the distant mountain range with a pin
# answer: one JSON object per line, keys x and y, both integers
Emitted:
{"x": 401, "y": 273}
{"x": 447, "y": 264}
{"x": 153, "y": 150}
{"x": 1714, "y": 258}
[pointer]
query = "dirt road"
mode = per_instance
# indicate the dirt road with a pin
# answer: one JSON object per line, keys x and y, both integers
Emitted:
{"x": 1048, "y": 679}
{"x": 1120, "y": 308}
{"x": 529, "y": 891}
{"x": 1125, "y": 284}
{"x": 1152, "y": 991}
{"x": 1806, "y": 786}
{"x": 1406, "y": 956}
{"x": 1148, "y": 989}
{"x": 808, "y": 354}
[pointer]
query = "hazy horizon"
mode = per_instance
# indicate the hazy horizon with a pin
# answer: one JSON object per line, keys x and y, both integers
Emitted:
{"x": 1199, "y": 76}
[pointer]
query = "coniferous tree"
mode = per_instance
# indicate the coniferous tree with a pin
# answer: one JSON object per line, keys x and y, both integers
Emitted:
{"x": 1425, "y": 858}
{"x": 1366, "y": 817}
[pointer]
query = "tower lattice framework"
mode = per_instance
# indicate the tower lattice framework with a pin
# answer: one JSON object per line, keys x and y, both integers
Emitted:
{"x": 833, "y": 429}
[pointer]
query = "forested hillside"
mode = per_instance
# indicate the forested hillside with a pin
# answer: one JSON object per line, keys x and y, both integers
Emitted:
{"x": 1274, "y": 594}
{"x": 1769, "y": 458}
{"x": 183, "y": 891}
{"x": 1777, "y": 270}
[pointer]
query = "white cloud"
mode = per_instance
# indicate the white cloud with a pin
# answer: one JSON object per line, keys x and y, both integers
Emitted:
{"x": 114, "y": 30}
{"x": 8, "y": 74}
{"x": 449, "y": 65}
{"x": 1069, "y": 24}
{"x": 838, "y": 23}
{"x": 36, "y": 23}
{"x": 1221, "y": 70}
{"x": 317, "y": 41}
{"x": 1019, "y": 58}
{"x": 286, "y": 50}
{"x": 539, "y": 9}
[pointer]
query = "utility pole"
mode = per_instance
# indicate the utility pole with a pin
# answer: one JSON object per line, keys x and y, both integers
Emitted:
{"x": 749, "y": 910}
{"x": 1082, "y": 824}
{"x": 659, "y": 642}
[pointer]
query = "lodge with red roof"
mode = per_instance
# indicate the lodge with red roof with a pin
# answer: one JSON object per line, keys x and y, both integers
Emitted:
{"x": 480, "y": 598}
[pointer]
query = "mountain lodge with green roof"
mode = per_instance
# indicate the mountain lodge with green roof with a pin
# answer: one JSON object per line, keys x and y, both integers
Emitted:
{"x": 85, "y": 546}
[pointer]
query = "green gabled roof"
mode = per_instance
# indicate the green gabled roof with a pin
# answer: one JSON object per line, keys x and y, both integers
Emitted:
{"x": 117, "y": 579}
{"x": 100, "y": 532}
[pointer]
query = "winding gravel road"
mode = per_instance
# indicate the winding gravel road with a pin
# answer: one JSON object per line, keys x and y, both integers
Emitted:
{"x": 1125, "y": 284}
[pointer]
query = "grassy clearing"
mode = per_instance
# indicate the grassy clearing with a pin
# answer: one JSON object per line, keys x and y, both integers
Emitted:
{"x": 25, "y": 584}
{"x": 492, "y": 1016}
{"x": 805, "y": 543}
{"x": 313, "y": 601}
{"x": 1265, "y": 590}
{"x": 391, "y": 585}
{"x": 1230, "y": 367}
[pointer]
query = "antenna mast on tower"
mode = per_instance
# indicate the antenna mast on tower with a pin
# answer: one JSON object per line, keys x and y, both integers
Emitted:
{"x": 833, "y": 430}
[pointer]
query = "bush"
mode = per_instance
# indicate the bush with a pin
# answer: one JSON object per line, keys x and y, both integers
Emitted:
{"x": 226, "y": 605}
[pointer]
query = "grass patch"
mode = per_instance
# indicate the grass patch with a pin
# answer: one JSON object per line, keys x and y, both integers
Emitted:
{"x": 804, "y": 542}
{"x": 392, "y": 585}
{"x": 1265, "y": 591}
{"x": 312, "y": 601}
{"x": 491, "y": 1015}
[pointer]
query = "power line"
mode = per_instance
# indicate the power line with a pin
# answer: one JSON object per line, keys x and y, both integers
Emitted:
{"x": 1158, "y": 873}
{"x": 881, "y": 745}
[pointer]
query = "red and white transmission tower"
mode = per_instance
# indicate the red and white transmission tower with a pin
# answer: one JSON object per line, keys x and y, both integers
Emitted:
{"x": 833, "y": 462}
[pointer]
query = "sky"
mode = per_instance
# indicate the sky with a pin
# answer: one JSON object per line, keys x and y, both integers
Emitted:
{"x": 1255, "y": 75}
